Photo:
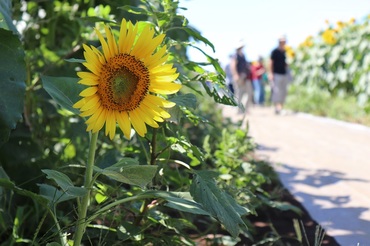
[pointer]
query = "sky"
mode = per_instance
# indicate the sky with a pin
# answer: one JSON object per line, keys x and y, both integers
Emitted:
{"x": 261, "y": 22}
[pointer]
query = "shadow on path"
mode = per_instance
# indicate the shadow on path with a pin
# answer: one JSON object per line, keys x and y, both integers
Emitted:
{"x": 313, "y": 188}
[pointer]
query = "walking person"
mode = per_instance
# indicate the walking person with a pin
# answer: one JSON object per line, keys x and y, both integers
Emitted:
{"x": 278, "y": 76}
{"x": 242, "y": 85}
{"x": 257, "y": 72}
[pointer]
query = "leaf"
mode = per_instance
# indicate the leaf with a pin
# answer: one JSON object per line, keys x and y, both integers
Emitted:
{"x": 218, "y": 203}
{"x": 188, "y": 100}
{"x": 64, "y": 90}
{"x": 6, "y": 21}
{"x": 135, "y": 10}
{"x": 197, "y": 36}
{"x": 65, "y": 183}
{"x": 12, "y": 83}
{"x": 182, "y": 201}
{"x": 53, "y": 195}
{"x": 6, "y": 183}
{"x": 129, "y": 171}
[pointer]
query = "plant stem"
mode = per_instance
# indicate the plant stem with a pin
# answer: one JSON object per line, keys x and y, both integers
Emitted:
{"x": 82, "y": 210}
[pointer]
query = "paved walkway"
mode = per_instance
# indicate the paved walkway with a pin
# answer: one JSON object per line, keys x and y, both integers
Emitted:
{"x": 324, "y": 163}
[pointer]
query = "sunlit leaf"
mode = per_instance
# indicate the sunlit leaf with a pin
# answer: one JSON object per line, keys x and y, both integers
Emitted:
{"x": 188, "y": 100}
{"x": 129, "y": 171}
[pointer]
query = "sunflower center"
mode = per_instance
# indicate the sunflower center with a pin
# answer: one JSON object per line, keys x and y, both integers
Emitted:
{"x": 124, "y": 83}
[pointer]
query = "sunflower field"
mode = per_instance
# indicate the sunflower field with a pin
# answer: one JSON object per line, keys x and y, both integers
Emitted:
{"x": 336, "y": 60}
{"x": 110, "y": 135}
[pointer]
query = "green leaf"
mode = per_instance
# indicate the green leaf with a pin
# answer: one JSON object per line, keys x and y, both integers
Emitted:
{"x": 65, "y": 183}
{"x": 12, "y": 83}
{"x": 64, "y": 90}
{"x": 188, "y": 100}
{"x": 218, "y": 203}
{"x": 197, "y": 36}
{"x": 135, "y": 10}
{"x": 182, "y": 201}
{"x": 53, "y": 195}
{"x": 129, "y": 171}
{"x": 6, "y": 183}
{"x": 6, "y": 21}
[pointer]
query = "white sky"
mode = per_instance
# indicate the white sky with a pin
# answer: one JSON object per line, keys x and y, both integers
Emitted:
{"x": 260, "y": 22}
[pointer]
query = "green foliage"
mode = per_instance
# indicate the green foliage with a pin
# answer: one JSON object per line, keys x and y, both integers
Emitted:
{"x": 13, "y": 75}
{"x": 337, "y": 60}
{"x": 156, "y": 189}
{"x": 319, "y": 102}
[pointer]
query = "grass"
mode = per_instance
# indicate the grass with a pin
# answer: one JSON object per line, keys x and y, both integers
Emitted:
{"x": 321, "y": 103}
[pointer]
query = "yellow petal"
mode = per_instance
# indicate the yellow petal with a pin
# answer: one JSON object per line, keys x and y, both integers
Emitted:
{"x": 92, "y": 120}
{"x": 130, "y": 38}
{"x": 100, "y": 121}
{"x": 124, "y": 123}
{"x": 144, "y": 40}
{"x": 89, "y": 112}
{"x": 137, "y": 123}
{"x": 162, "y": 113}
{"x": 104, "y": 45}
{"x": 122, "y": 35}
{"x": 160, "y": 101}
{"x": 152, "y": 62}
{"x": 110, "y": 125}
{"x": 99, "y": 55}
{"x": 111, "y": 41}
{"x": 91, "y": 58}
{"x": 155, "y": 115}
{"x": 87, "y": 75}
{"x": 91, "y": 102}
{"x": 147, "y": 118}
{"x": 165, "y": 78}
{"x": 87, "y": 81}
{"x": 88, "y": 92}
{"x": 164, "y": 88}
{"x": 168, "y": 68}
{"x": 80, "y": 103}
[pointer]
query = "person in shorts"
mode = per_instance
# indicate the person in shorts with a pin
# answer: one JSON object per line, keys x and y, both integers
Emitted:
{"x": 279, "y": 76}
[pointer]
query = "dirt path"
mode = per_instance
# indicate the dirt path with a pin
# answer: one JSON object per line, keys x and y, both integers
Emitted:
{"x": 324, "y": 163}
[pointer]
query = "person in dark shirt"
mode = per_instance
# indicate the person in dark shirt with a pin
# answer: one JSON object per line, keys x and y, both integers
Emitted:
{"x": 278, "y": 75}
{"x": 240, "y": 70}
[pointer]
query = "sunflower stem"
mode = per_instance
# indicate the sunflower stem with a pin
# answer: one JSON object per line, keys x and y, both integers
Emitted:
{"x": 154, "y": 147}
{"x": 82, "y": 208}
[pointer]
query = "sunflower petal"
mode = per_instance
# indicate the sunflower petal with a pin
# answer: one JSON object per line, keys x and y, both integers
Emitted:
{"x": 99, "y": 123}
{"x": 111, "y": 41}
{"x": 137, "y": 123}
{"x": 124, "y": 123}
{"x": 91, "y": 102}
{"x": 160, "y": 101}
{"x": 104, "y": 45}
{"x": 130, "y": 38}
{"x": 147, "y": 119}
{"x": 122, "y": 35}
{"x": 164, "y": 88}
{"x": 110, "y": 125}
{"x": 88, "y": 92}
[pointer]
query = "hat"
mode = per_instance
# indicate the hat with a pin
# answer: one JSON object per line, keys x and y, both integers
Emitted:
{"x": 239, "y": 44}
{"x": 282, "y": 38}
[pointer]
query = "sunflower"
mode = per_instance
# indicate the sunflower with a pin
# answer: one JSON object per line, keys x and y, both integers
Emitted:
{"x": 125, "y": 81}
